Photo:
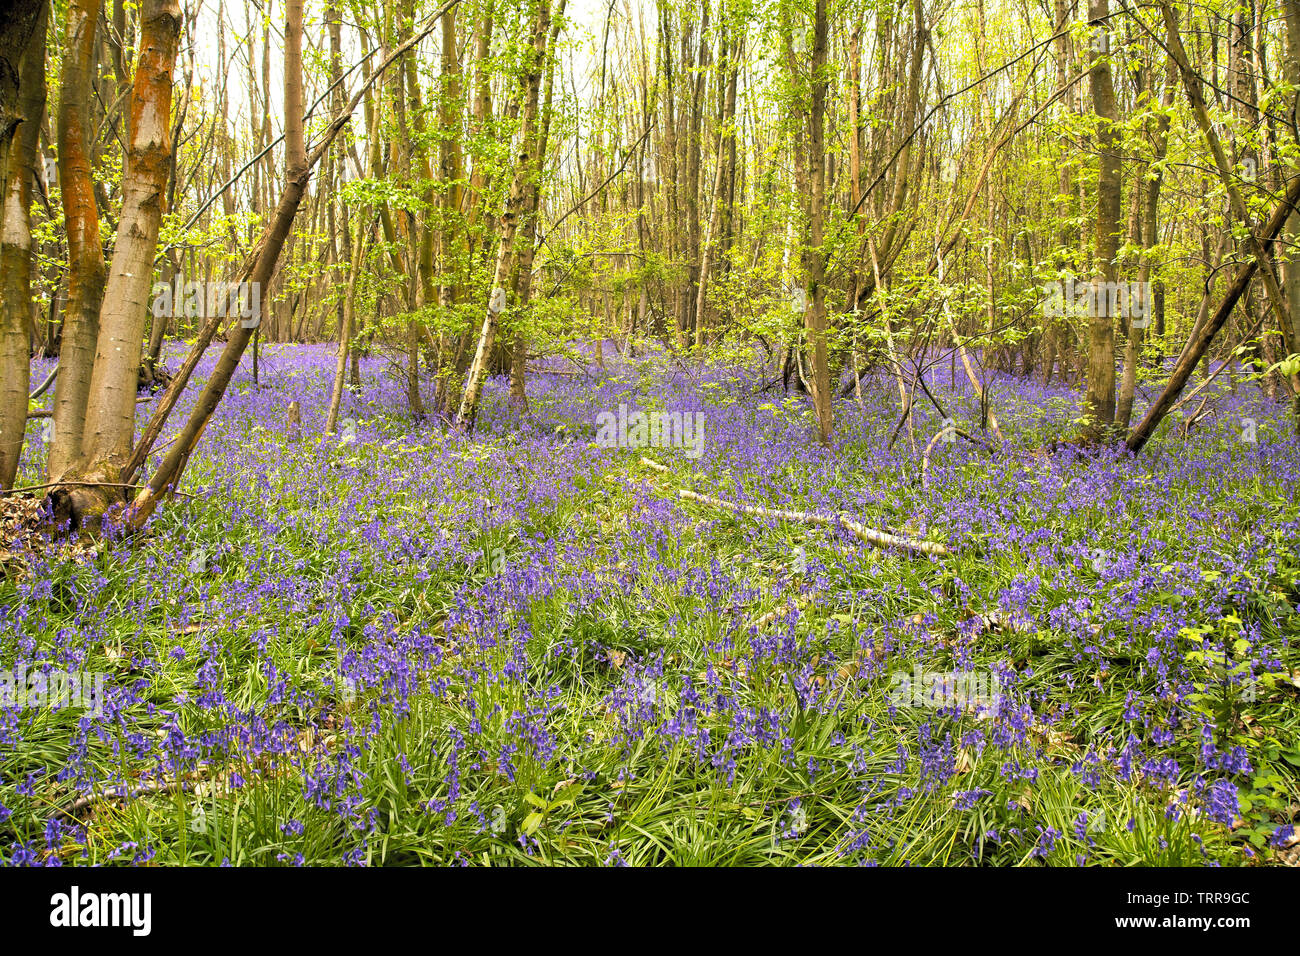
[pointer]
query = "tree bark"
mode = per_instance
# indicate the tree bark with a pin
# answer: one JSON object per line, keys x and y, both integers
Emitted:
{"x": 728, "y": 71}
{"x": 522, "y": 280}
{"x": 86, "y": 274}
{"x": 814, "y": 256}
{"x": 1099, "y": 402}
{"x": 18, "y": 21}
{"x": 16, "y": 252}
{"x": 110, "y": 414}
{"x": 1150, "y": 199}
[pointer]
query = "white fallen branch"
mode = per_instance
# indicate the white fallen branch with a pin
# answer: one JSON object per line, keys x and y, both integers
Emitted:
{"x": 881, "y": 539}
{"x": 947, "y": 430}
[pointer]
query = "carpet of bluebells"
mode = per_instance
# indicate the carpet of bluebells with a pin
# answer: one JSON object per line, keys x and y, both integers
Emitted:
{"x": 400, "y": 645}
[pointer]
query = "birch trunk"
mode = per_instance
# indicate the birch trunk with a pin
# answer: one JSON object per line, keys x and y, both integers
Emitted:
{"x": 526, "y": 169}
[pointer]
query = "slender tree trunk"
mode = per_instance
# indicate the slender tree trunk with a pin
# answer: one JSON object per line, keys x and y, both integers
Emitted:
{"x": 1099, "y": 403}
{"x": 86, "y": 274}
{"x": 522, "y": 281}
{"x": 527, "y": 168}
{"x": 350, "y": 260}
{"x": 16, "y": 254}
{"x": 110, "y": 414}
{"x": 810, "y": 175}
{"x": 1068, "y": 236}
{"x": 1150, "y": 198}
{"x": 728, "y": 71}
{"x": 1291, "y": 10}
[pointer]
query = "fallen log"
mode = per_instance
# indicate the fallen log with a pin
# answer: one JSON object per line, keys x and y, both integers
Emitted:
{"x": 880, "y": 539}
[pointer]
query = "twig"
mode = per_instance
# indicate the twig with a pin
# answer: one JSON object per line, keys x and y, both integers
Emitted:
{"x": 49, "y": 413}
{"x": 81, "y": 484}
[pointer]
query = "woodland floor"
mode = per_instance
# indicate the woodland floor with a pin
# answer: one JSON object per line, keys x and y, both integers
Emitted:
{"x": 414, "y": 647}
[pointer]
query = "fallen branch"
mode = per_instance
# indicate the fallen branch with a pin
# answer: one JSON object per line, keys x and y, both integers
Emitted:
{"x": 82, "y": 804}
{"x": 951, "y": 429}
{"x": 49, "y": 413}
{"x": 41, "y": 389}
{"x": 1195, "y": 419}
{"x": 881, "y": 539}
{"x": 82, "y": 484}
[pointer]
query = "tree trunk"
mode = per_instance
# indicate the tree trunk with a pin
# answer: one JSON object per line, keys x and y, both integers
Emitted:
{"x": 16, "y": 252}
{"x": 810, "y": 175}
{"x": 728, "y": 71}
{"x": 1291, "y": 10}
{"x": 1099, "y": 402}
{"x": 522, "y": 281}
{"x": 1199, "y": 344}
{"x": 86, "y": 274}
{"x": 1151, "y": 204}
{"x": 18, "y": 21}
{"x": 815, "y": 256}
{"x": 110, "y": 414}
{"x": 527, "y": 169}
